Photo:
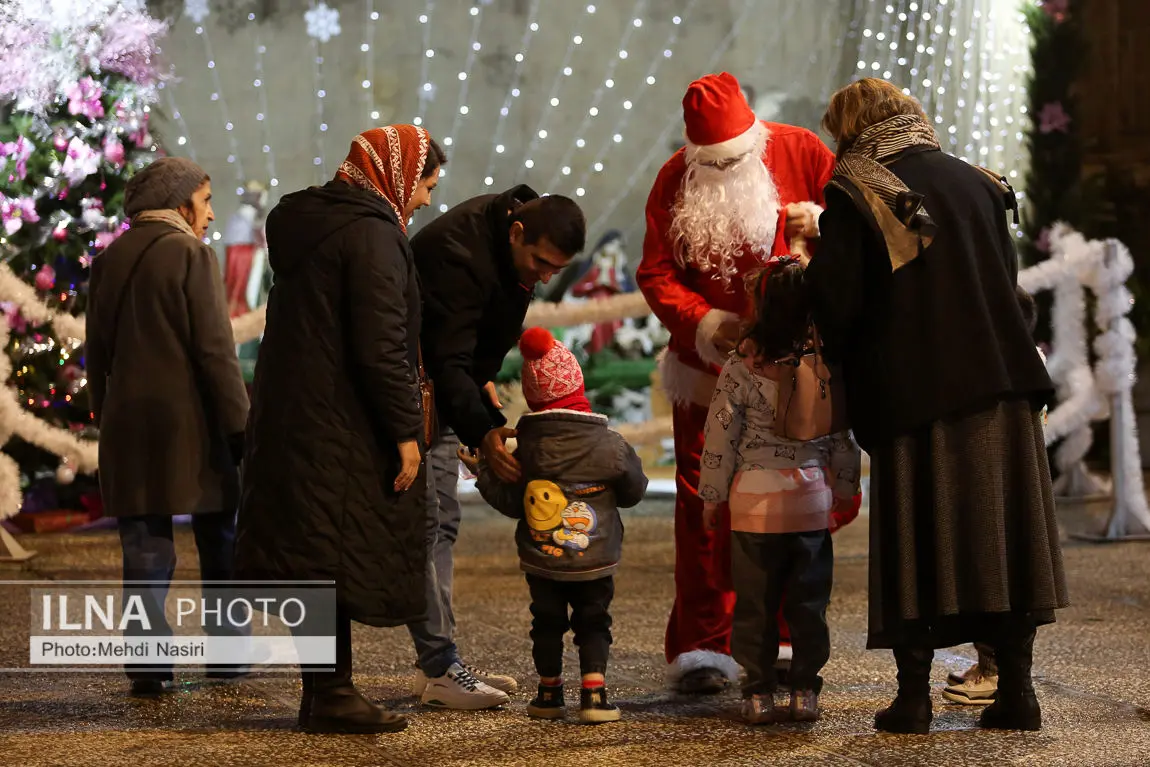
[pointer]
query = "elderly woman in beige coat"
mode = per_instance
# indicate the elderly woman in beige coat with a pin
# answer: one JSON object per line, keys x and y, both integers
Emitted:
{"x": 167, "y": 392}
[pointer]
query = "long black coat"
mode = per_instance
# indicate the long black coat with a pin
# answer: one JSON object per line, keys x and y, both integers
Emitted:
{"x": 335, "y": 391}
{"x": 473, "y": 306}
{"x": 944, "y": 334}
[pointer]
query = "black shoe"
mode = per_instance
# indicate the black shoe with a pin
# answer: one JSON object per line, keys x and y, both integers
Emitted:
{"x": 342, "y": 709}
{"x": 149, "y": 688}
{"x": 548, "y": 703}
{"x": 906, "y": 715}
{"x": 703, "y": 681}
{"x": 228, "y": 672}
{"x": 594, "y": 708}
{"x": 1015, "y": 713}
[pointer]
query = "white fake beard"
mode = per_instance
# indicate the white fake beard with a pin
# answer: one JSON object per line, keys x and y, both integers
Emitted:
{"x": 721, "y": 212}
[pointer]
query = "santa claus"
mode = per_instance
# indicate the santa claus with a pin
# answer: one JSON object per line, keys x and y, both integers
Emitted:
{"x": 740, "y": 192}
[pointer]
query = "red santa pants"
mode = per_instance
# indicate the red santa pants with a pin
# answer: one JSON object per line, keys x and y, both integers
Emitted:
{"x": 704, "y": 597}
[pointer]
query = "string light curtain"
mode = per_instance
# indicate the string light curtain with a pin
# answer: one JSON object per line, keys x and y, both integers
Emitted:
{"x": 576, "y": 98}
{"x": 965, "y": 60}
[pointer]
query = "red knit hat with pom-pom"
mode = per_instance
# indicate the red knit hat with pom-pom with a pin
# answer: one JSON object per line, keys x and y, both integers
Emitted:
{"x": 552, "y": 378}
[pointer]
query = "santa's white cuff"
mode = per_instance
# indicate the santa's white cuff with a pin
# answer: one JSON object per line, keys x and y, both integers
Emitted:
{"x": 705, "y": 336}
{"x": 815, "y": 210}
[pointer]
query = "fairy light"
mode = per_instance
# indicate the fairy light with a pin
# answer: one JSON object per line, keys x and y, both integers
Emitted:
{"x": 649, "y": 79}
{"x": 368, "y": 49}
{"x": 575, "y": 41}
{"x": 606, "y": 84}
{"x": 966, "y": 62}
{"x": 462, "y": 109}
{"x": 497, "y": 148}
{"x": 319, "y": 161}
{"x": 218, "y": 97}
{"x": 174, "y": 110}
{"x": 673, "y": 121}
{"x": 426, "y": 91}
{"x": 260, "y": 84}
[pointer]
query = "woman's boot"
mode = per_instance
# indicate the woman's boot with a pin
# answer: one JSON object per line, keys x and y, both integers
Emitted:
{"x": 331, "y": 704}
{"x": 1016, "y": 707}
{"x": 305, "y": 698}
{"x": 911, "y": 711}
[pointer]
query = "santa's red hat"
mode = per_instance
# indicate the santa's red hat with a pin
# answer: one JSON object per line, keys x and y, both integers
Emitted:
{"x": 719, "y": 118}
{"x": 552, "y": 378}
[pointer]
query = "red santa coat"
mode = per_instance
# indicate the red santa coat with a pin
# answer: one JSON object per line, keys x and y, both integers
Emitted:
{"x": 692, "y": 304}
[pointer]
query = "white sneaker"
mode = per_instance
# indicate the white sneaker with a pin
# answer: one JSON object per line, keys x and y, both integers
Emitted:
{"x": 459, "y": 689}
{"x": 976, "y": 690}
{"x": 500, "y": 682}
{"x": 954, "y": 679}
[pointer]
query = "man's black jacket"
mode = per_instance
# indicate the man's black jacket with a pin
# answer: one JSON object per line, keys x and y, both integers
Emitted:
{"x": 473, "y": 306}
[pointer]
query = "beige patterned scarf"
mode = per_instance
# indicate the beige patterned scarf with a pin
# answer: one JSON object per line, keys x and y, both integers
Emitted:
{"x": 165, "y": 216}
{"x": 861, "y": 172}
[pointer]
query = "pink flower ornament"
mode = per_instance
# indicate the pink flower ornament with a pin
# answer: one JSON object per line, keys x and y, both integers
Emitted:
{"x": 1053, "y": 117}
{"x": 84, "y": 99}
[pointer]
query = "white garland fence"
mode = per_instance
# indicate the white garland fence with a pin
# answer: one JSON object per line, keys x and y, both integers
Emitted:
{"x": 1086, "y": 393}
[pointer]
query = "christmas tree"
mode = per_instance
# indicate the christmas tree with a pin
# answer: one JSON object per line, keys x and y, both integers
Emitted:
{"x": 77, "y": 84}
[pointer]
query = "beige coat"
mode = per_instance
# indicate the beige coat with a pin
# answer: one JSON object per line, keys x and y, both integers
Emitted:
{"x": 166, "y": 387}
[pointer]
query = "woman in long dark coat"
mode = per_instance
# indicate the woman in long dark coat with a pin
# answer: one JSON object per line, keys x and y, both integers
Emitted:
{"x": 914, "y": 288}
{"x": 336, "y": 426}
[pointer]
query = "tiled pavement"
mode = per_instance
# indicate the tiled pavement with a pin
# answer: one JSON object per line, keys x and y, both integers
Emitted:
{"x": 1093, "y": 669}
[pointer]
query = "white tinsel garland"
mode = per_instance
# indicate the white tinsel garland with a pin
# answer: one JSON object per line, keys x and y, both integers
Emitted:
{"x": 1086, "y": 393}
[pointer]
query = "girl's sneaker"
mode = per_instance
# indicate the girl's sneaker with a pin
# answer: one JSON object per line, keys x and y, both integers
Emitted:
{"x": 594, "y": 708}
{"x": 766, "y": 708}
{"x": 804, "y": 705}
{"x": 548, "y": 703}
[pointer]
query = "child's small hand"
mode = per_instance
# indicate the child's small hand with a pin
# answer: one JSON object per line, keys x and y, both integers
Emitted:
{"x": 469, "y": 459}
{"x": 710, "y": 515}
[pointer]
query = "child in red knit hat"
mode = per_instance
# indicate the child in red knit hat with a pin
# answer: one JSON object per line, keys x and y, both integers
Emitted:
{"x": 577, "y": 474}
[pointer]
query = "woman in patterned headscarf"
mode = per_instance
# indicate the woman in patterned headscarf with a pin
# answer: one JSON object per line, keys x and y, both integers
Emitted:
{"x": 914, "y": 289}
{"x": 333, "y": 485}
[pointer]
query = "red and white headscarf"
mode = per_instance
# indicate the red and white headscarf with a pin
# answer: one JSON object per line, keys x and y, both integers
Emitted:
{"x": 388, "y": 161}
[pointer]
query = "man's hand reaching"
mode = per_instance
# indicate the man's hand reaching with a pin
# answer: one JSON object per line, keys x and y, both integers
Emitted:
{"x": 494, "y": 449}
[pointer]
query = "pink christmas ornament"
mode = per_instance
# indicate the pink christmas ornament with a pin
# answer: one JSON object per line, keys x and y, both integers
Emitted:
{"x": 114, "y": 150}
{"x": 45, "y": 278}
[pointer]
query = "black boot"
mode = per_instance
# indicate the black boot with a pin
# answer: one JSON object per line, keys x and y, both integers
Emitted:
{"x": 1016, "y": 707}
{"x": 910, "y": 712}
{"x": 305, "y": 697}
{"x": 331, "y": 704}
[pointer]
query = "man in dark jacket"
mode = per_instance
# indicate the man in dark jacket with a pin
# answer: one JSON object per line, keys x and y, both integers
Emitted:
{"x": 478, "y": 266}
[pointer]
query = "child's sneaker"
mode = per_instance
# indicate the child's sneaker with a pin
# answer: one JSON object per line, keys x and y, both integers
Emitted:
{"x": 594, "y": 708}
{"x": 548, "y": 703}
{"x": 766, "y": 708}
{"x": 975, "y": 689}
{"x": 804, "y": 705}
